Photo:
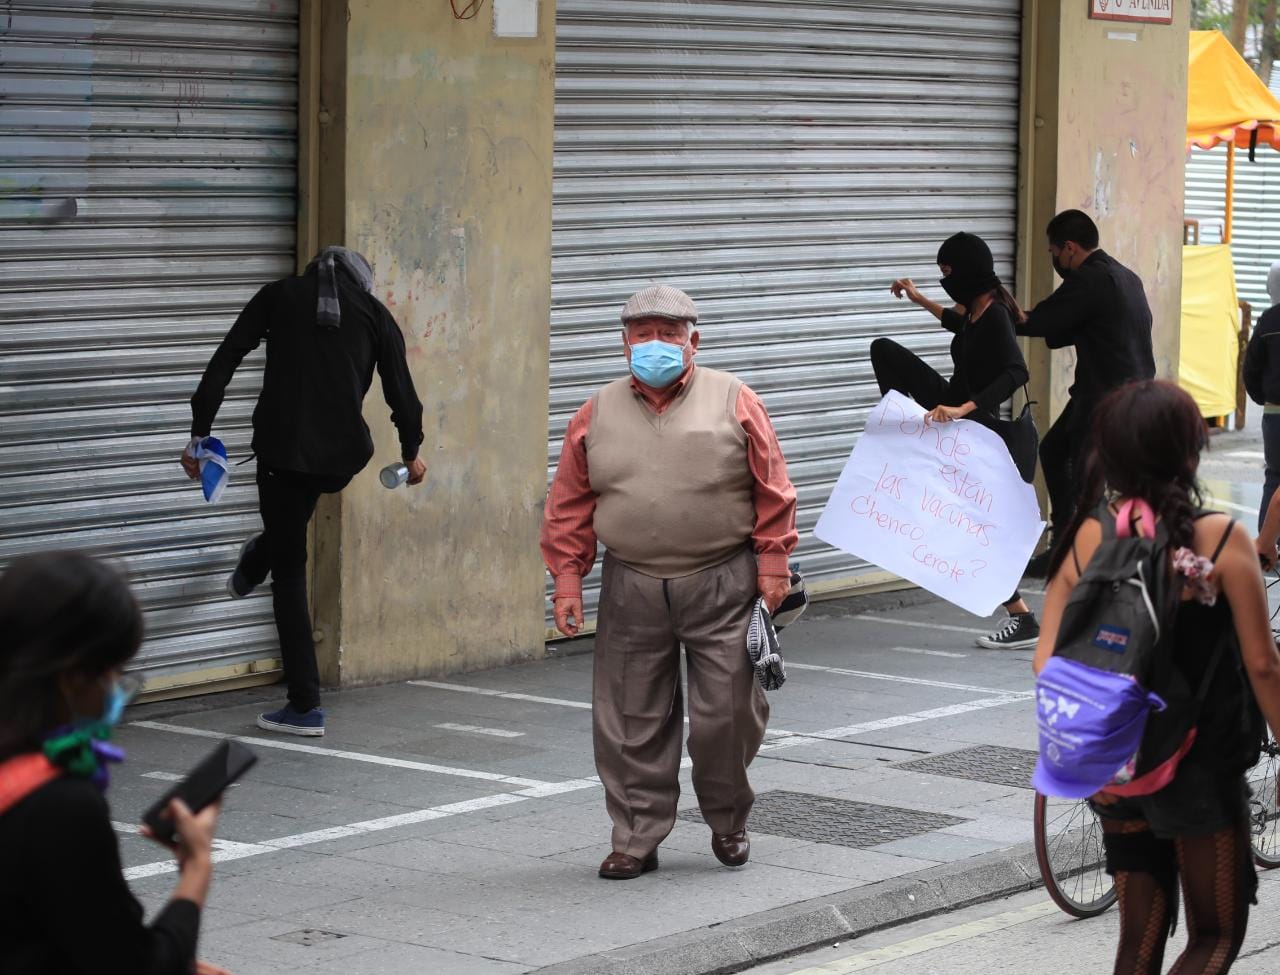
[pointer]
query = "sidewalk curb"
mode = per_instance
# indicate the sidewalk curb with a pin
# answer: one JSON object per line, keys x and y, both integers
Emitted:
{"x": 733, "y": 946}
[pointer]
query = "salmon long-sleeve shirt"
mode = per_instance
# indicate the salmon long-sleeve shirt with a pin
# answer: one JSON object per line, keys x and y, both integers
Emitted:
{"x": 568, "y": 533}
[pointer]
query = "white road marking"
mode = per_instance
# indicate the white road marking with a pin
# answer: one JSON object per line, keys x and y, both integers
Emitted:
{"x": 510, "y": 696}
{"x": 1247, "y": 454}
{"x": 897, "y": 721}
{"x": 897, "y": 679}
{"x": 289, "y": 746}
{"x": 489, "y": 692}
{"x": 164, "y": 776}
{"x": 946, "y": 627}
{"x": 930, "y": 942}
{"x": 230, "y": 850}
{"x": 1215, "y": 502}
{"x": 928, "y": 653}
{"x": 477, "y": 730}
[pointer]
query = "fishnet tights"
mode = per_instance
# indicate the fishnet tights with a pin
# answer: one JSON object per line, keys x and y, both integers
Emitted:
{"x": 1211, "y": 869}
{"x": 1217, "y": 910}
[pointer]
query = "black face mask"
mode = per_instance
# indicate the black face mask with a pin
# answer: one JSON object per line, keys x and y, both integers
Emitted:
{"x": 964, "y": 288}
{"x": 1059, "y": 268}
{"x": 953, "y": 289}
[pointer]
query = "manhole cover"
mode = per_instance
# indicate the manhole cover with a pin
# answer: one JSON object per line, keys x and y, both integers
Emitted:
{"x": 308, "y": 937}
{"x": 838, "y": 822}
{"x": 982, "y": 763}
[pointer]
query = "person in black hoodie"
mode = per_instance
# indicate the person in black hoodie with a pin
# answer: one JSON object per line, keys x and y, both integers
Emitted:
{"x": 326, "y": 334}
{"x": 1101, "y": 309}
{"x": 1262, "y": 381}
{"x": 987, "y": 367}
{"x": 70, "y": 625}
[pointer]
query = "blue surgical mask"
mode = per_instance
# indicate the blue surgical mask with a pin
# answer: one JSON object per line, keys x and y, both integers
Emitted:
{"x": 119, "y": 694}
{"x": 657, "y": 364}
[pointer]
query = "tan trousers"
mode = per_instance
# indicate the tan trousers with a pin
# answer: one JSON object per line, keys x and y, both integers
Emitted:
{"x": 638, "y": 709}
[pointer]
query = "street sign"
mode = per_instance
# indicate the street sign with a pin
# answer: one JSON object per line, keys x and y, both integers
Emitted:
{"x": 1134, "y": 11}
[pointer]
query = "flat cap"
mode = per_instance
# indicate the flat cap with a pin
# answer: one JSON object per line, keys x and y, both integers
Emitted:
{"x": 660, "y": 301}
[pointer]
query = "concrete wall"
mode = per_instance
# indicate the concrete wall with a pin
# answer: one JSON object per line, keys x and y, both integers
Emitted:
{"x": 448, "y": 142}
{"x": 1111, "y": 99}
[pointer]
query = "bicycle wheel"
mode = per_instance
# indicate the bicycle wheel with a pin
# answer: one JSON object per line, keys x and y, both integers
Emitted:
{"x": 1069, "y": 851}
{"x": 1264, "y": 817}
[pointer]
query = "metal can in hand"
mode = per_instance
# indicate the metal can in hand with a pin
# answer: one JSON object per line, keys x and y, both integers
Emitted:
{"x": 393, "y": 475}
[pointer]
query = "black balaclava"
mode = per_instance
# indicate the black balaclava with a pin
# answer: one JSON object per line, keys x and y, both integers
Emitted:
{"x": 973, "y": 270}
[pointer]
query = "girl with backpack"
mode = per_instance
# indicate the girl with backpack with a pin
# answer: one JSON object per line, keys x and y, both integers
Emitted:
{"x": 68, "y": 625}
{"x": 1146, "y": 443}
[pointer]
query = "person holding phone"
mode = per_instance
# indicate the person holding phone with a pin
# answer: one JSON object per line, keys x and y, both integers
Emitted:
{"x": 70, "y": 625}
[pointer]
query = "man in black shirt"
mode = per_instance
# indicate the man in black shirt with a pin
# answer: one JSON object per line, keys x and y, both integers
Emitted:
{"x": 1101, "y": 309}
{"x": 1262, "y": 381}
{"x": 326, "y": 333}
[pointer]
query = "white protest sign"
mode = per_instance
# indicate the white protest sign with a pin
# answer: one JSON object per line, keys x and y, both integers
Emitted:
{"x": 940, "y": 504}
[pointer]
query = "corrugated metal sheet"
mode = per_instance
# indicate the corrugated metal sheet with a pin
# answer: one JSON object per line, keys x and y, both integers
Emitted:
{"x": 147, "y": 156}
{"x": 782, "y": 162}
{"x": 1255, "y": 233}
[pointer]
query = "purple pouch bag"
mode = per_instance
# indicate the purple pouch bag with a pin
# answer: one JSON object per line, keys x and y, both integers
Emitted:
{"x": 1091, "y": 724}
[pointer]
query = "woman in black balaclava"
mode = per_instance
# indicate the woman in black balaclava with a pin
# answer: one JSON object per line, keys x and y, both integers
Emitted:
{"x": 987, "y": 366}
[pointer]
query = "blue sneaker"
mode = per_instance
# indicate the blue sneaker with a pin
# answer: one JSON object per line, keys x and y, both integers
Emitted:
{"x": 238, "y": 584}
{"x": 310, "y": 724}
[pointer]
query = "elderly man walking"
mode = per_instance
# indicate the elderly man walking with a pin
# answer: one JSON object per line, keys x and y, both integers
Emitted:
{"x": 677, "y": 470}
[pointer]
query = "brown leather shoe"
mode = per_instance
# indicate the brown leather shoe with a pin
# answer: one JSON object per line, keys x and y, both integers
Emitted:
{"x": 731, "y": 849}
{"x": 623, "y": 866}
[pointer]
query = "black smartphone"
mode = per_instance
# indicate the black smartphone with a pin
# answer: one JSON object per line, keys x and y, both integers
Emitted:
{"x": 203, "y": 785}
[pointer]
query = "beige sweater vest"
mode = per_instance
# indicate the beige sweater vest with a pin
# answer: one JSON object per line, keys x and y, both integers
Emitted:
{"x": 675, "y": 491}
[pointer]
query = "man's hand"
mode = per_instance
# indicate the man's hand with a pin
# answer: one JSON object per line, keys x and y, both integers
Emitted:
{"x": 905, "y": 287}
{"x": 417, "y": 470}
{"x": 945, "y": 414}
{"x": 204, "y": 968}
{"x": 190, "y": 466}
{"x": 568, "y": 610}
{"x": 774, "y": 589}
{"x": 1266, "y": 553}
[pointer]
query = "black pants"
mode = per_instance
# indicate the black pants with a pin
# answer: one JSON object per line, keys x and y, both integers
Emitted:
{"x": 1062, "y": 453}
{"x": 900, "y": 369}
{"x": 287, "y": 500}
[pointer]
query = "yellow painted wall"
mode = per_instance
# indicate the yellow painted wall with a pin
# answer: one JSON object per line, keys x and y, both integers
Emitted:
{"x": 1117, "y": 110}
{"x": 448, "y": 193}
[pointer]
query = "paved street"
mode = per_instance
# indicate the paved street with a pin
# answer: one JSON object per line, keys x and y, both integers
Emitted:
{"x": 456, "y": 825}
{"x": 1018, "y": 934}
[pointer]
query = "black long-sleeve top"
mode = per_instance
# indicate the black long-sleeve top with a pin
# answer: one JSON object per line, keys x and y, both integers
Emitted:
{"x": 988, "y": 363}
{"x": 309, "y": 415}
{"x": 1101, "y": 309}
{"x": 1262, "y": 359}
{"x": 64, "y": 906}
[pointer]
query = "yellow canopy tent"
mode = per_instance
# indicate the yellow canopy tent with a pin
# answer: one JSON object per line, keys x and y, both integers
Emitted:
{"x": 1226, "y": 102}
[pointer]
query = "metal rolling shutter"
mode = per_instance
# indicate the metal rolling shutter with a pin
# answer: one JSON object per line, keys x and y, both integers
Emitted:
{"x": 782, "y": 162}
{"x": 148, "y": 152}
